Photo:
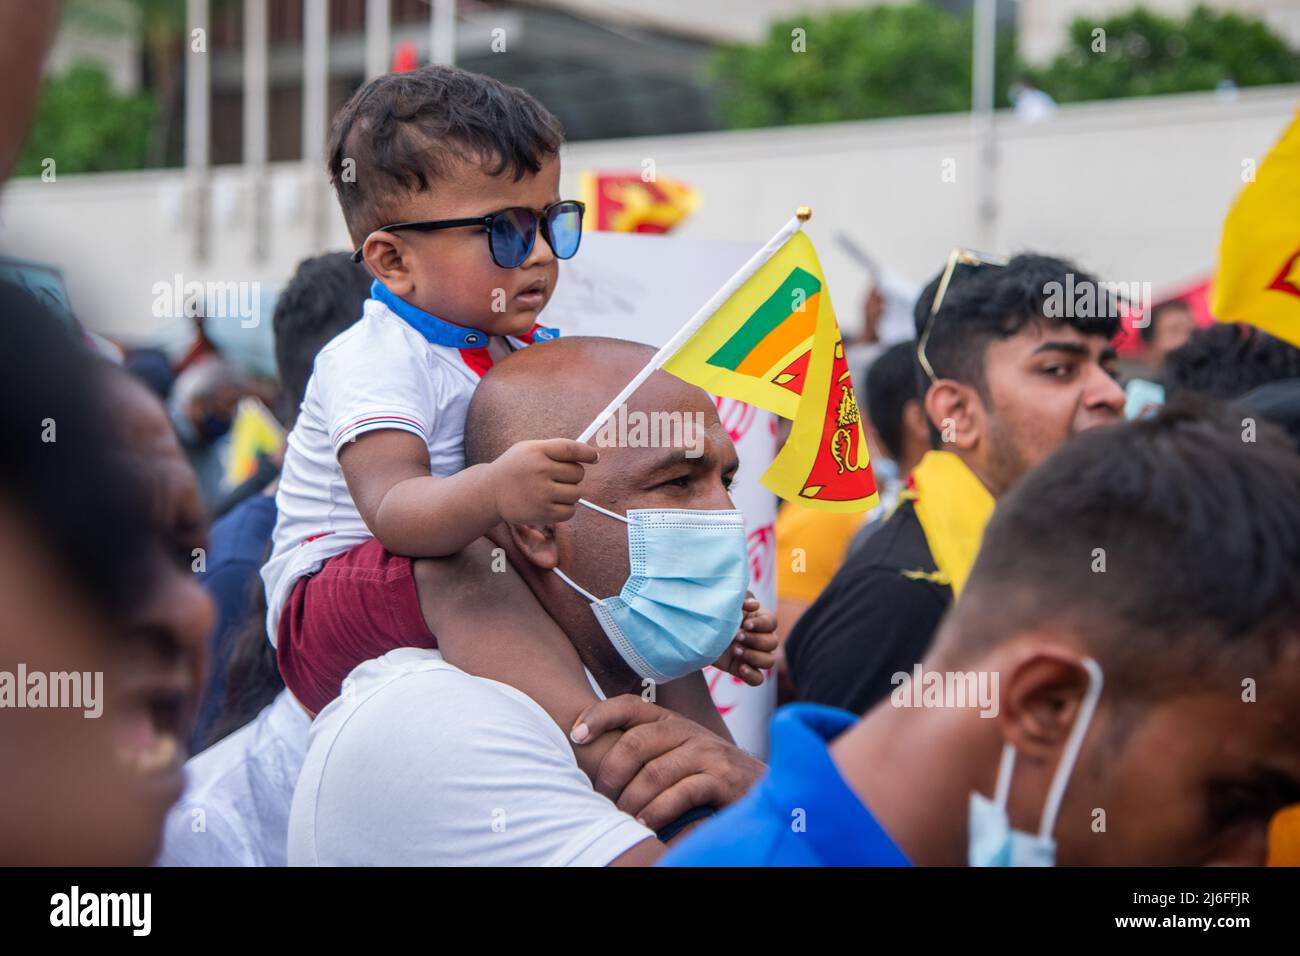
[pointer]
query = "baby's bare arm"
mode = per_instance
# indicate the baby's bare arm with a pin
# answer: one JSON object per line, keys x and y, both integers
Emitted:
{"x": 414, "y": 513}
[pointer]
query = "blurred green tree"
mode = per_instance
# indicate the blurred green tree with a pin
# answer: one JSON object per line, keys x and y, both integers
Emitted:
{"x": 86, "y": 126}
{"x": 907, "y": 59}
{"x": 1146, "y": 53}
{"x": 854, "y": 64}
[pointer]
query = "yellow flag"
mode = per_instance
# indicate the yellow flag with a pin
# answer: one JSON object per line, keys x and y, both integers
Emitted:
{"x": 255, "y": 432}
{"x": 1258, "y": 281}
{"x": 774, "y": 343}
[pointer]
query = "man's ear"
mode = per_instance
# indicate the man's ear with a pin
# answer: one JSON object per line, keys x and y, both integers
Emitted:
{"x": 386, "y": 256}
{"x": 957, "y": 412}
{"x": 536, "y": 542}
{"x": 1039, "y": 700}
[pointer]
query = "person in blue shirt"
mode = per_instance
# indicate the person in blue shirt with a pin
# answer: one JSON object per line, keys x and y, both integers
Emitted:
{"x": 1096, "y": 697}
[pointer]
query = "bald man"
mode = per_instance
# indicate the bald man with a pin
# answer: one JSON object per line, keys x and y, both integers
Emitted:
{"x": 421, "y": 763}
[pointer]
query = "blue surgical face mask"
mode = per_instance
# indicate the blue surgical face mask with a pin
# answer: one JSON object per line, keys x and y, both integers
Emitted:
{"x": 993, "y": 842}
{"x": 682, "y": 602}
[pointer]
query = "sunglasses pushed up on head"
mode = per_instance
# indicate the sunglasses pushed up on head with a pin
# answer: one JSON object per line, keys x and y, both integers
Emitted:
{"x": 962, "y": 263}
{"x": 512, "y": 232}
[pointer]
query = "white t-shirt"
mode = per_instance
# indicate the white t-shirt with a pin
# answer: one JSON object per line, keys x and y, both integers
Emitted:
{"x": 396, "y": 368}
{"x": 235, "y": 809}
{"x": 421, "y": 764}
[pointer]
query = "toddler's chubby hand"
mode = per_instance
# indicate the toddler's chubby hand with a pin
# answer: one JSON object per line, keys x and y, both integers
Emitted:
{"x": 536, "y": 482}
{"x": 754, "y": 648}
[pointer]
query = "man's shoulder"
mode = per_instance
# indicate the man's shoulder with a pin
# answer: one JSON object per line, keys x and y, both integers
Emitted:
{"x": 418, "y": 762}
{"x": 417, "y": 687}
{"x": 430, "y": 713}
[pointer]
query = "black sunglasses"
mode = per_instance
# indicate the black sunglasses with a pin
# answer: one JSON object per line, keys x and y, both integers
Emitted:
{"x": 512, "y": 232}
{"x": 962, "y": 263}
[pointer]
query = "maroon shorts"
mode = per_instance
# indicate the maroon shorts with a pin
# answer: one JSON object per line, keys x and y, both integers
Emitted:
{"x": 361, "y": 604}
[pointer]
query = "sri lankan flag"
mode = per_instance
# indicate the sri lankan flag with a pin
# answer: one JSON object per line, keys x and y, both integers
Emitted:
{"x": 626, "y": 202}
{"x": 774, "y": 343}
{"x": 1258, "y": 280}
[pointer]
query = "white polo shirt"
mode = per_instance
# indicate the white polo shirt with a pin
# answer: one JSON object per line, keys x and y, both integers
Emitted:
{"x": 422, "y": 764}
{"x": 398, "y": 367}
{"x": 235, "y": 809}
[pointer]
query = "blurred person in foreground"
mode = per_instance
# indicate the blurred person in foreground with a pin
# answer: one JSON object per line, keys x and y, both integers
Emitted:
{"x": 95, "y": 553}
{"x": 1069, "y": 715}
{"x": 96, "y": 682}
{"x": 1012, "y": 372}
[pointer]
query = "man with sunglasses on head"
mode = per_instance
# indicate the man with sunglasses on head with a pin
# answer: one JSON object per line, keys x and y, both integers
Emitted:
{"x": 1014, "y": 360}
{"x": 449, "y": 184}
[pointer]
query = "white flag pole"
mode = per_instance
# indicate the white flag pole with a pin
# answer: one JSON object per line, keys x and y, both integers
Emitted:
{"x": 743, "y": 274}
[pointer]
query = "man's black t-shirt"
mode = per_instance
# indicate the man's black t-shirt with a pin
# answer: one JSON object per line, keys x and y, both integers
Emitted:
{"x": 877, "y": 617}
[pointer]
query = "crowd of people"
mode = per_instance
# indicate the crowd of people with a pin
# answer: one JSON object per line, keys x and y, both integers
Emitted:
{"x": 441, "y": 631}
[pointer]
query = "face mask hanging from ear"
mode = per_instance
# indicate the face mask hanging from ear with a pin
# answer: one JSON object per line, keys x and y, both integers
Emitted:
{"x": 993, "y": 842}
{"x": 683, "y": 600}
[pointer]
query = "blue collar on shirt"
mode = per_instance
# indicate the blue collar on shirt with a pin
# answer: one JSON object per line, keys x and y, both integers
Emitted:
{"x": 440, "y": 331}
{"x": 841, "y": 831}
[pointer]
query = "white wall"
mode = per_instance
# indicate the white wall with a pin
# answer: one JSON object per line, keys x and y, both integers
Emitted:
{"x": 1134, "y": 189}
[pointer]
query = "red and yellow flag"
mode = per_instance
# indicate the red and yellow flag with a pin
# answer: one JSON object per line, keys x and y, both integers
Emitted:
{"x": 1258, "y": 281}
{"x": 775, "y": 344}
{"x": 626, "y": 202}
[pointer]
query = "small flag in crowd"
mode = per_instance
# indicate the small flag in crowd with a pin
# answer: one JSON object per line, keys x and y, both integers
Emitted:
{"x": 769, "y": 337}
{"x": 1258, "y": 281}
{"x": 626, "y": 202}
{"x": 254, "y": 433}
